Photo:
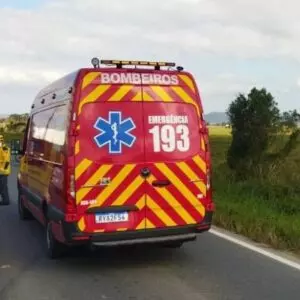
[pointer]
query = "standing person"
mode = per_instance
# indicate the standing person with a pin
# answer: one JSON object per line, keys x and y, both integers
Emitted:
{"x": 4, "y": 171}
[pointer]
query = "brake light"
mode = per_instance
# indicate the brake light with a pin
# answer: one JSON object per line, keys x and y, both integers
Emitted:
{"x": 210, "y": 205}
{"x": 72, "y": 186}
{"x": 208, "y": 180}
{"x": 71, "y": 209}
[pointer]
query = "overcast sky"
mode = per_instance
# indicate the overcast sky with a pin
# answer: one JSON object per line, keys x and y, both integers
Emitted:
{"x": 229, "y": 45}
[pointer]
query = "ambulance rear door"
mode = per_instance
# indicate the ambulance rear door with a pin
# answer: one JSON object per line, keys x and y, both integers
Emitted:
{"x": 110, "y": 191}
{"x": 174, "y": 151}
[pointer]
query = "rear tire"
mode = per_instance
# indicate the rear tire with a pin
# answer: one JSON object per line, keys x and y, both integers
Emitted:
{"x": 55, "y": 249}
{"x": 24, "y": 213}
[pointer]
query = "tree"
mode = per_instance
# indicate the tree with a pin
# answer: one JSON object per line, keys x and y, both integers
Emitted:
{"x": 255, "y": 119}
{"x": 290, "y": 122}
{"x": 291, "y": 119}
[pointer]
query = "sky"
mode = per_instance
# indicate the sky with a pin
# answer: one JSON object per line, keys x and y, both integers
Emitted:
{"x": 229, "y": 46}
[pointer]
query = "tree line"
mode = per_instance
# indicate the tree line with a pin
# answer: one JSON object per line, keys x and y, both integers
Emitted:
{"x": 257, "y": 125}
{"x": 15, "y": 123}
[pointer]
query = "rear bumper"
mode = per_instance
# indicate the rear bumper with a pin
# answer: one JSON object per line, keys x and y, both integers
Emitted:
{"x": 147, "y": 240}
{"x": 185, "y": 233}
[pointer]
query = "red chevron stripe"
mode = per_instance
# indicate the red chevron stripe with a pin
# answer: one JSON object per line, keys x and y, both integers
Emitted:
{"x": 84, "y": 177}
{"x": 192, "y": 95}
{"x": 180, "y": 198}
{"x": 186, "y": 87}
{"x": 131, "y": 94}
{"x": 87, "y": 90}
{"x": 184, "y": 178}
{"x": 162, "y": 202}
{"x": 125, "y": 183}
{"x": 173, "y": 95}
{"x": 165, "y": 206}
{"x": 97, "y": 189}
{"x": 196, "y": 168}
{"x": 151, "y": 92}
{"x": 156, "y": 221}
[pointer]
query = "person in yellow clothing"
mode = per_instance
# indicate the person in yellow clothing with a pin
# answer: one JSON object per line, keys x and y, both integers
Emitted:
{"x": 5, "y": 170}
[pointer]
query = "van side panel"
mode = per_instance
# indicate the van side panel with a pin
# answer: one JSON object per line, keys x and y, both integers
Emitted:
{"x": 46, "y": 156}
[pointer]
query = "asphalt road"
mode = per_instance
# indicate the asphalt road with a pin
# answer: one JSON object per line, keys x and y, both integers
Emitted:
{"x": 210, "y": 268}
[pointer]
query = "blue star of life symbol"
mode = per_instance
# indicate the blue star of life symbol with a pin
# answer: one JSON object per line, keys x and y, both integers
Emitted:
{"x": 115, "y": 132}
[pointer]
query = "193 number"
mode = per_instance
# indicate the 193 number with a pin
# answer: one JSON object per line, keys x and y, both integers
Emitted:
{"x": 165, "y": 138}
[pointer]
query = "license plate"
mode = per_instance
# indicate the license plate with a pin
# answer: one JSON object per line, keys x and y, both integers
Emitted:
{"x": 111, "y": 217}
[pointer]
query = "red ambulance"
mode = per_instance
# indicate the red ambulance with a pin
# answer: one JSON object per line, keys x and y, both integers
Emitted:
{"x": 117, "y": 154}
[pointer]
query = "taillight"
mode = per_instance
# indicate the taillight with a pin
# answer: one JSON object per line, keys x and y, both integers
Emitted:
{"x": 208, "y": 180}
{"x": 72, "y": 186}
{"x": 71, "y": 211}
{"x": 210, "y": 205}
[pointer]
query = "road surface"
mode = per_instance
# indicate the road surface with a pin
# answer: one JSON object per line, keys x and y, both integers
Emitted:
{"x": 211, "y": 268}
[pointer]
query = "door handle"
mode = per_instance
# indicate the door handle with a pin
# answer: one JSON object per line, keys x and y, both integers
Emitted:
{"x": 161, "y": 183}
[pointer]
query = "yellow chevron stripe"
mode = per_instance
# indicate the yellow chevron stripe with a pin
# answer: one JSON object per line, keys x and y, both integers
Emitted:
{"x": 125, "y": 195}
{"x": 102, "y": 197}
{"x": 89, "y": 78}
{"x": 162, "y": 93}
{"x": 141, "y": 203}
{"x": 186, "y": 193}
{"x": 93, "y": 180}
{"x": 99, "y": 230}
{"x": 81, "y": 167}
{"x": 142, "y": 225}
{"x": 145, "y": 97}
{"x": 188, "y": 82}
{"x": 81, "y": 224}
{"x": 185, "y": 97}
{"x": 138, "y": 97}
{"x": 77, "y": 147}
{"x": 172, "y": 201}
{"x": 149, "y": 225}
{"x": 120, "y": 93}
{"x": 192, "y": 176}
{"x": 200, "y": 163}
{"x": 94, "y": 95}
{"x": 159, "y": 212}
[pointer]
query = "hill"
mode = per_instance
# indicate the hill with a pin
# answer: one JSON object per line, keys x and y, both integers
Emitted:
{"x": 216, "y": 117}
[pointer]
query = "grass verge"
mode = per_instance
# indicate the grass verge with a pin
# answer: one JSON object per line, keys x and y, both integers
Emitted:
{"x": 267, "y": 210}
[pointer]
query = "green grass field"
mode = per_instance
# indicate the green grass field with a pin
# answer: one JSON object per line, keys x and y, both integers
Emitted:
{"x": 265, "y": 209}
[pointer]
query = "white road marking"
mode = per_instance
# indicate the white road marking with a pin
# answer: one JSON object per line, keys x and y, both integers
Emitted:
{"x": 256, "y": 249}
{"x": 5, "y": 267}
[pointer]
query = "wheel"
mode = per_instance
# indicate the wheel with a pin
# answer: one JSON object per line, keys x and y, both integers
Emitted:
{"x": 54, "y": 248}
{"x": 24, "y": 213}
{"x": 173, "y": 245}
